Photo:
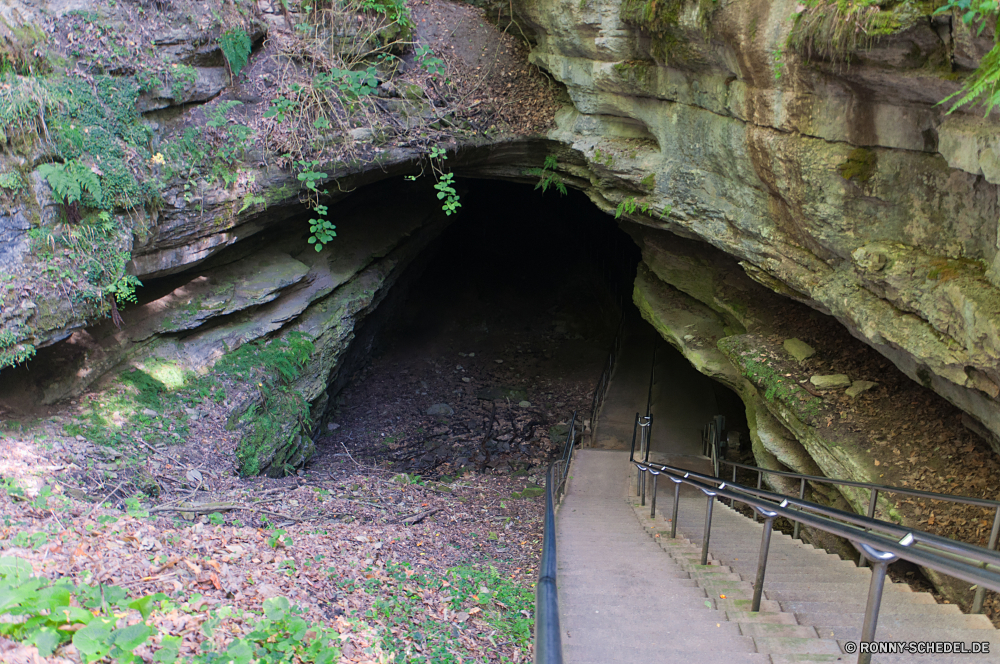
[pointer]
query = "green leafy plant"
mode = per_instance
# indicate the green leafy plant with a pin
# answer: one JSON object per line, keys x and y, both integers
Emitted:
{"x": 279, "y": 539}
{"x": 235, "y": 45}
{"x": 444, "y": 182}
{"x": 48, "y": 614}
{"x": 11, "y": 182}
{"x": 352, "y": 84}
{"x": 983, "y": 86}
{"x": 779, "y": 63}
{"x": 547, "y": 177}
{"x": 281, "y": 108}
{"x": 70, "y": 181}
{"x": 135, "y": 509}
{"x": 431, "y": 64}
{"x": 630, "y": 205}
{"x": 321, "y": 229}
{"x": 13, "y": 353}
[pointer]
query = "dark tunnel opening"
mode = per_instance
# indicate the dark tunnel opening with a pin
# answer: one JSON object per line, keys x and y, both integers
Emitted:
{"x": 494, "y": 338}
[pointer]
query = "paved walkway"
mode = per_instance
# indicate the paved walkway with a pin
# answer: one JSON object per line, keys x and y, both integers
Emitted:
{"x": 621, "y": 598}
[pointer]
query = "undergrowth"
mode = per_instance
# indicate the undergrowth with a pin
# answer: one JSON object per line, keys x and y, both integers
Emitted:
{"x": 779, "y": 388}
{"x": 104, "y": 623}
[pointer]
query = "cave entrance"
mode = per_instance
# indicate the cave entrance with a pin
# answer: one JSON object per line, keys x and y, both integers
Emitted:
{"x": 494, "y": 338}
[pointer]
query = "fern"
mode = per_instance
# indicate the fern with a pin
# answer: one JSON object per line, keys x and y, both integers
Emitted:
{"x": 235, "y": 45}
{"x": 70, "y": 180}
{"x": 547, "y": 177}
{"x": 982, "y": 86}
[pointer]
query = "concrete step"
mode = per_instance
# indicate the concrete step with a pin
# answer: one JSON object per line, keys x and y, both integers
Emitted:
{"x": 912, "y": 632}
{"x": 847, "y": 595}
{"x": 767, "y": 630}
{"x": 942, "y": 619}
{"x": 762, "y": 617}
{"x": 788, "y": 645}
{"x": 630, "y": 654}
{"x": 911, "y": 608}
{"x": 766, "y": 605}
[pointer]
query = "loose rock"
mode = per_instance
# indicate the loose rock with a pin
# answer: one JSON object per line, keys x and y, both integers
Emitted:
{"x": 799, "y": 349}
{"x": 859, "y": 386}
{"x": 830, "y": 381}
{"x": 440, "y": 409}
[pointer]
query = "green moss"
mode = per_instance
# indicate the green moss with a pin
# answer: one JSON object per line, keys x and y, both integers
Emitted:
{"x": 661, "y": 19}
{"x": 860, "y": 166}
{"x": 654, "y": 16}
{"x": 834, "y": 29}
{"x": 274, "y": 434}
{"x": 13, "y": 353}
{"x": 649, "y": 181}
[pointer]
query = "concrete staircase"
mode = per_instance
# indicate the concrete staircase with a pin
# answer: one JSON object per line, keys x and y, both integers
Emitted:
{"x": 629, "y": 593}
{"x": 814, "y": 601}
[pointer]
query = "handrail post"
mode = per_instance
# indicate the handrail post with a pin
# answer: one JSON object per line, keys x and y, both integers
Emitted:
{"x": 802, "y": 496}
{"x": 649, "y": 437}
{"x": 760, "y": 480}
{"x": 642, "y": 473}
{"x": 765, "y": 544}
{"x": 635, "y": 428}
{"x": 863, "y": 561}
{"x": 708, "y": 524}
{"x": 732, "y": 501}
{"x": 977, "y": 601}
{"x": 880, "y": 562}
{"x": 677, "y": 502}
{"x": 652, "y": 509}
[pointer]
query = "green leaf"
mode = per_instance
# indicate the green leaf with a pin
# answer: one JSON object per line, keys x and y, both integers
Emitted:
{"x": 144, "y": 605}
{"x": 239, "y": 652}
{"x": 46, "y": 639}
{"x": 14, "y": 570}
{"x": 169, "y": 647}
{"x": 275, "y": 608}
{"x": 92, "y": 640}
{"x": 235, "y": 45}
{"x": 129, "y": 638}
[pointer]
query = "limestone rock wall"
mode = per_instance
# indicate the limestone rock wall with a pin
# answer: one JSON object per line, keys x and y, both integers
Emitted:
{"x": 844, "y": 186}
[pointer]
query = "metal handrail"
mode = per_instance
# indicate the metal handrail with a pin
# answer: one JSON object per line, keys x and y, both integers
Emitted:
{"x": 876, "y": 489}
{"x": 548, "y": 639}
{"x": 967, "y": 500}
{"x": 567, "y": 455}
{"x": 887, "y": 527}
{"x": 957, "y": 559}
{"x": 604, "y": 382}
